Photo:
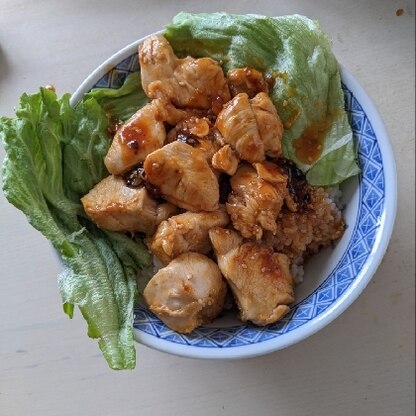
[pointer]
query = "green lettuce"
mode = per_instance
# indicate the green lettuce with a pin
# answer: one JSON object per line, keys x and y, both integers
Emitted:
{"x": 54, "y": 155}
{"x": 307, "y": 89}
{"x": 123, "y": 102}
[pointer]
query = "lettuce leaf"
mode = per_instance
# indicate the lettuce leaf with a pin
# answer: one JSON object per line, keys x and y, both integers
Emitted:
{"x": 123, "y": 102}
{"x": 307, "y": 90}
{"x": 54, "y": 155}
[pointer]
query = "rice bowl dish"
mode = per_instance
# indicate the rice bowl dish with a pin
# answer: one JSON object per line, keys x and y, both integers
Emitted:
{"x": 332, "y": 279}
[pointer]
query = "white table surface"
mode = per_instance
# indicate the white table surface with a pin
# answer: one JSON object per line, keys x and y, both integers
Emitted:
{"x": 361, "y": 364}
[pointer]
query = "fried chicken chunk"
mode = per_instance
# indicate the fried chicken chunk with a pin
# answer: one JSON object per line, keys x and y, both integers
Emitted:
{"x": 238, "y": 126}
{"x": 251, "y": 126}
{"x": 116, "y": 207}
{"x": 183, "y": 176}
{"x": 259, "y": 278}
{"x": 199, "y": 133}
{"x": 256, "y": 199}
{"x": 247, "y": 80}
{"x": 225, "y": 160}
{"x": 187, "y": 293}
{"x": 185, "y": 232}
{"x": 188, "y": 82}
{"x": 143, "y": 133}
{"x": 269, "y": 124}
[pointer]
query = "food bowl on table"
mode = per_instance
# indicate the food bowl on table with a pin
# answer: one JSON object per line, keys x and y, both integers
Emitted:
{"x": 334, "y": 277}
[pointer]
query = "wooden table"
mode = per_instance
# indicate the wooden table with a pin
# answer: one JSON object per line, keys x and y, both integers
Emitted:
{"x": 361, "y": 364}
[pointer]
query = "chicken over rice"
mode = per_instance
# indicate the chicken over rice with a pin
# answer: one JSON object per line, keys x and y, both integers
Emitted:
{"x": 199, "y": 171}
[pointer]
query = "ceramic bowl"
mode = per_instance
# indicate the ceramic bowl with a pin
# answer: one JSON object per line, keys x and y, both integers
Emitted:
{"x": 333, "y": 279}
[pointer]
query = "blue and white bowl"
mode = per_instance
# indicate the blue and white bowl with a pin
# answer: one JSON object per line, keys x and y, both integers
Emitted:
{"x": 333, "y": 279}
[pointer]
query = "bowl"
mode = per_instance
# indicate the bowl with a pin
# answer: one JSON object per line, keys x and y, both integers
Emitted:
{"x": 333, "y": 279}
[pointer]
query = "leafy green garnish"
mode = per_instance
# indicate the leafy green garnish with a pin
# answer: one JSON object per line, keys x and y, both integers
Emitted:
{"x": 123, "y": 102}
{"x": 307, "y": 89}
{"x": 54, "y": 156}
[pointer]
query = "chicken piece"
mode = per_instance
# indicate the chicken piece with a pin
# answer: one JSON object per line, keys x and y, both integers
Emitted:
{"x": 185, "y": 232}
{"x": 256, "y": 199}
{"x": 238, "y": 126}
{"x": 259, "y": 278}
{"x": 252, "y": 127}
{"x": 183, "y": 176}
{"x": 187, "y": 293}
{"x": 189, "y": 82}
{"x": 165, "y": 211}
{"x": 143, "y": 133}
{"x": 225, "y": 160}
{"x": 171, "y": 114}
{"x": 157, "y": 60}
{"x": 116, "y": 207}
{"x": 247, "y": 80}
{"x": 269, "y": 124}
{"x": 197, "y": 132}
{"x": 197, "y": 126}
{"x": 273, "y": 174}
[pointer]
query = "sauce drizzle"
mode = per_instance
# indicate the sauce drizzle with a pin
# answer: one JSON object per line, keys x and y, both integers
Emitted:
{"x": 308, "y": 147}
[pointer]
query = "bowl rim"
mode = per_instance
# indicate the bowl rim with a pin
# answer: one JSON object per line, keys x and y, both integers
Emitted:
{"x": 387, "y": 221}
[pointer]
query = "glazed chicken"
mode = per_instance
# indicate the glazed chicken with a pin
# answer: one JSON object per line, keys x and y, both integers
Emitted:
{"x": 116, "y": 207}
{"x": 198, "y": 132}
{"x": 183, "y": 176}
{"x": 189, "y": 82}
{"x": 143, "y": 133}
{"x": 251, "y": 126}
{"x": 185, "y": 232}
{"x": 269, "y": 124}
{"x": 238, "y": 126}
{"x": 259, "y": 278}
{"x": 257, "y": 196}
{"x": 225, "y": 160}
{"x": 203, "y": 155}
{"x": 187, "y": 293}
{"x": 247, "y": 80}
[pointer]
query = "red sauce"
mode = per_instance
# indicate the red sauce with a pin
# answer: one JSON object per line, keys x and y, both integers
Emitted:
{"x": 292, "y": 118}
{"x": 114, "y": 125}
{"x": 132, "y": 139}
{"x": 308, "y": 147}
{"x": 296, "y": 183}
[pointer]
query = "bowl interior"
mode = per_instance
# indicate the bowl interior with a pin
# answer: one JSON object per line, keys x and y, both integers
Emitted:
{"x": 333, "y": 278}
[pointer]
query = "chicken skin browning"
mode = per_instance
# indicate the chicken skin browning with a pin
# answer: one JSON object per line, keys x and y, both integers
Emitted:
{"x": 189, "y": 82}
{"x": 185, "y": 232}
{"x": 116, "y": 207}
{"x": 256, "y": 199}
{"x": 187, "y": 293}
{"x": 259, "y": 278}
{"x": 183, "y": 176}
{"x": 143, "y": 133}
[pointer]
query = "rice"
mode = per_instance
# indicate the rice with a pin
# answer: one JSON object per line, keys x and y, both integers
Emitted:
{"x": 302, "y": 234}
